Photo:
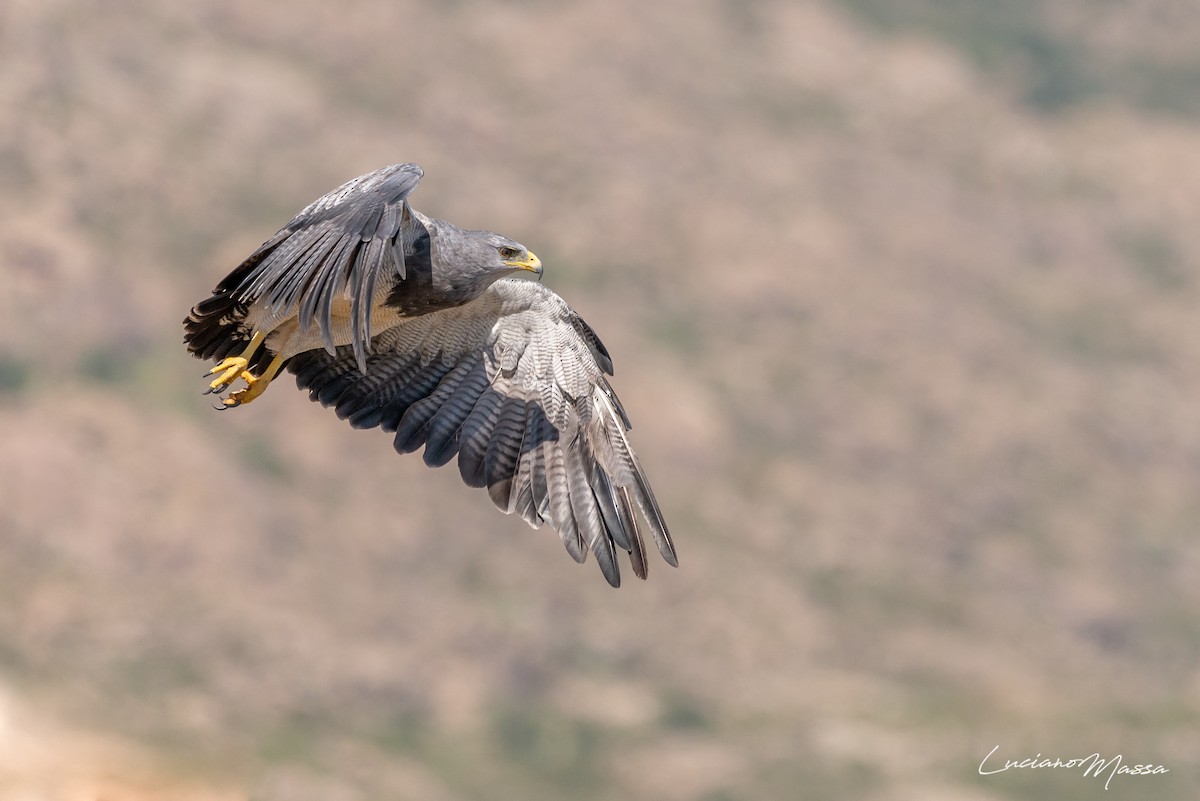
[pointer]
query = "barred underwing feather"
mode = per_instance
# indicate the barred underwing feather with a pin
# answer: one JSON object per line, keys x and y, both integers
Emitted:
{"x": 510, "y": 385}
{"x": 558, "y": 493}
{"x": 423, "y": 382}
{"x": 501, "y": 462}
{"x": 414, "y": 426}
{"x": 534, "y": 468}
{"x": 442, "y": 441}
{"x": 474, "y": 435}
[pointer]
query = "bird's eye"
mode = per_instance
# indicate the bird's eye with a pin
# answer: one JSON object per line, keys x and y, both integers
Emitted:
{"x": 507, "y": 253}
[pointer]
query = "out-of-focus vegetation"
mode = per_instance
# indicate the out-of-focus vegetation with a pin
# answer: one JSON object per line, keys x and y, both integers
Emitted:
{"x": 1058, "y": 56}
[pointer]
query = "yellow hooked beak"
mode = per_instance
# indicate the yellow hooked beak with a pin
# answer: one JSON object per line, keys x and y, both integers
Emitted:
{"x": 531, "y": 263}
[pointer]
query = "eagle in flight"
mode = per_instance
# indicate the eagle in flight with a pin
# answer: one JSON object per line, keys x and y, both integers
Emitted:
{"x": 422, "y": 328}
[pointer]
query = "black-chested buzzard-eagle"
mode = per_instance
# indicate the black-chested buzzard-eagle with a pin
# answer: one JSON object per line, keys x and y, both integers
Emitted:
{"x": 419, "y": 327}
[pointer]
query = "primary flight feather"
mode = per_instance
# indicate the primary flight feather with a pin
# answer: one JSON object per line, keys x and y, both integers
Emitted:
{"x": 422, "y": 328}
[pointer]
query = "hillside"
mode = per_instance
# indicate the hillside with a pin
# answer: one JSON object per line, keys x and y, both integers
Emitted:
{"x": 902, "y": 303}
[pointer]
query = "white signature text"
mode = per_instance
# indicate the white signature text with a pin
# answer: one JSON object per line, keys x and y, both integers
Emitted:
{"x": 1092, "y": 765}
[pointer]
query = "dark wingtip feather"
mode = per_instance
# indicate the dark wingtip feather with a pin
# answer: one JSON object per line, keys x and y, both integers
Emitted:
{"x": 612, "y": 574}
{"x": 646, "y": 501}
{"x": 629, "y": 522}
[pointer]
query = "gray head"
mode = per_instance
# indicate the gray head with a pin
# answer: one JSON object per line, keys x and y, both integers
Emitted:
{"x": 502, "y": 256}
{"x": 450, "y": 266}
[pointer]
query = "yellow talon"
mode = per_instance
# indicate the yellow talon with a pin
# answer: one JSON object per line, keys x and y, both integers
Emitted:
{"x": 253, "y": 389}
{"x": 230, "y": 370}
{"x": 235, "y": 367}
{"x": 255, "y": 385}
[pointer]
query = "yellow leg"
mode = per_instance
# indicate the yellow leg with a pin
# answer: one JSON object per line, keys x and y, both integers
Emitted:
{"x": 255, "y": 385}
{"x": 234, "y": 367}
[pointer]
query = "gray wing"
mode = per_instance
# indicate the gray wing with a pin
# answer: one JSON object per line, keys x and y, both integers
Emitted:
{"x": 513, "y": 384}
{"x": 342, "y": 242}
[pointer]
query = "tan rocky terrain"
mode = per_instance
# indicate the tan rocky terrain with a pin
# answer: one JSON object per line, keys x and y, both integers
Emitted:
{"x": 903, "y": 304}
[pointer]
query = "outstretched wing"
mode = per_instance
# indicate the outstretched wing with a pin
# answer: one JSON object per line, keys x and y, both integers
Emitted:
{"x": 341, "y": 243}
{"x": 513, "y": 384}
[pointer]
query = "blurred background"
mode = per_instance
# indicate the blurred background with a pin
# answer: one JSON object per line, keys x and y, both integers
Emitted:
{"x": 902, "y": 299}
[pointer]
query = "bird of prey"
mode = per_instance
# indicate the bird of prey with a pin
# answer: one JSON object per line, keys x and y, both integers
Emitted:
{"x": 421, "y": 328}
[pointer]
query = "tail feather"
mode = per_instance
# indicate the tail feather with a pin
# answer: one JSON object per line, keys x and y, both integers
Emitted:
{"x": 216, "y": 326}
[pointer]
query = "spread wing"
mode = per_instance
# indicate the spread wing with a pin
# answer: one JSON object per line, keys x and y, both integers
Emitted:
{"x": 513, "y": 384}
{"x": 341, "y": 243}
